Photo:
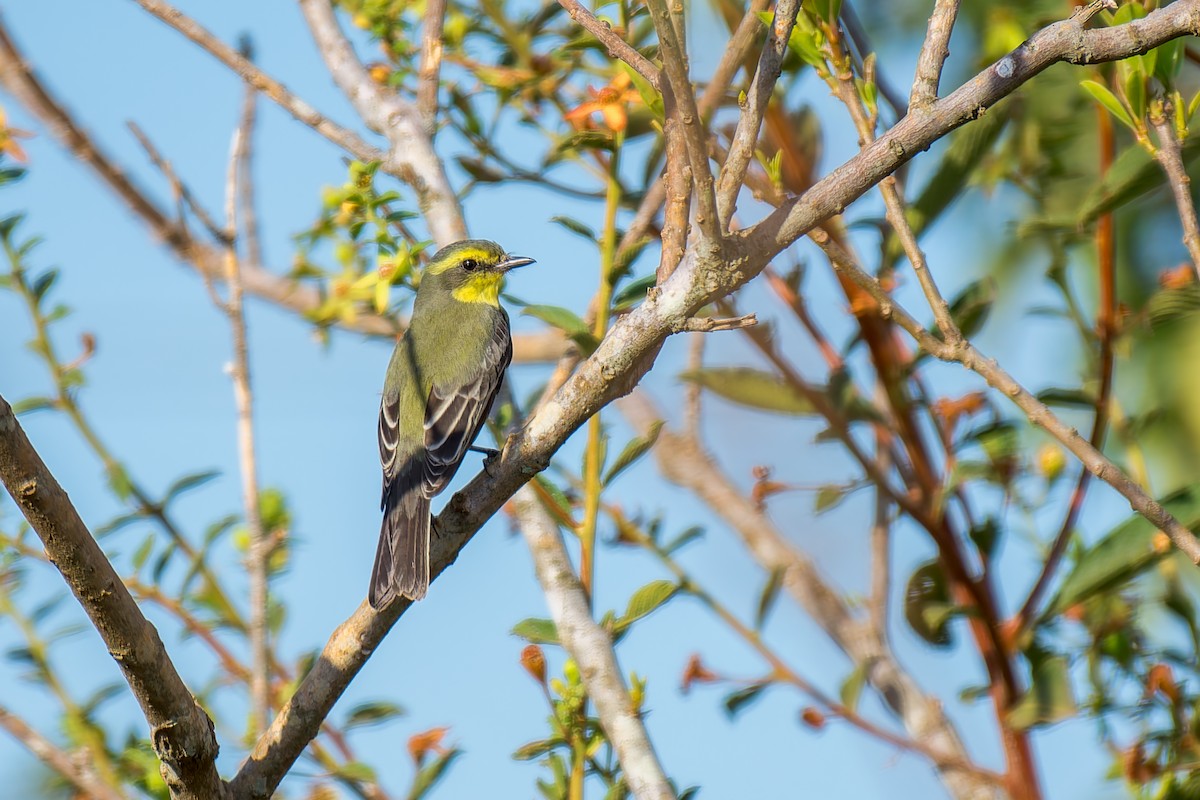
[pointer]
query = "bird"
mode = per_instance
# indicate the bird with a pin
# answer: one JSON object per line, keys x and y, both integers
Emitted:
{"x": 441, "y": 381}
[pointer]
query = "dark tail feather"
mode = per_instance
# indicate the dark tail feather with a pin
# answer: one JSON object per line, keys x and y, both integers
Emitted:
{"x": 402, "y": 559}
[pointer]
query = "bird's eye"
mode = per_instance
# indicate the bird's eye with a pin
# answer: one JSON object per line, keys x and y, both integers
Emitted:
{"x": 470, "y": 264}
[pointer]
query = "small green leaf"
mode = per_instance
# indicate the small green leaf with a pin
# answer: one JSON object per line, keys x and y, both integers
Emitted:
{"x": 143, "y": 552}
{"x": 32, "y": 404}
{"x": 635, "y": 292}
{"x": 1050, "y": 697}
{"x": 852, "y": 687}
{"x": 374, "y": 713}
{"x": 828, "y": 496}
{"x": 751, "y": 387}
{"x": 355, "y": 771}
{"x": 575, "y": 226}
{"x": 532, "y": 750}
{"x": 1069, "y": 398}
{"x": 430, "y": 774}
{"x": 971, "y": 307}
{"x": 770, "y": 593}
{"x": 1123, "y": 553}
{"x": 536, "y": 631}
{"x": 637, "y": 447}
{"x": 43, "y": 284}
{"x": 568, "y": 322}
{"x": 1104, "y": 96}
{"x": 646, "y": 600}
{"x": 739, "y": 700}
{"x": 189, "y": 482}
{"x": 687, "y": 536}
{"x": 118, "y": 481}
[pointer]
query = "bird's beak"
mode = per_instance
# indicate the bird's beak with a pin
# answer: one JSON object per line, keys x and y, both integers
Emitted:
{"x": 512, "y": 262}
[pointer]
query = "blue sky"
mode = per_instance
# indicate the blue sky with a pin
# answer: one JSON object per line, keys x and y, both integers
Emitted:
{"x": 159, "y": 396}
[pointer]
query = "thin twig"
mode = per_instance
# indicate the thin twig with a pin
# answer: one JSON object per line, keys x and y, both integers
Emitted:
{"x": 710, "y": 324}
{"x": 934, "y": 52}
{"x": 1170, "y": 158}
{"x": 862, "y": 43}
{"x": 694, "y": 133}
{"x": 260, "y": 688}
{"x": 431, "y": 64}
{"x": 1106, "y": 263}
{"x": 591, "y": 648}
{"x": 617, "y": 47}
{"x": 745, "y": 136}
{"x": 75, "y": 770}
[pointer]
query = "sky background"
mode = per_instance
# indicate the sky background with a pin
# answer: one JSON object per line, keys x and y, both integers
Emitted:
{"x": 158, "y": 394}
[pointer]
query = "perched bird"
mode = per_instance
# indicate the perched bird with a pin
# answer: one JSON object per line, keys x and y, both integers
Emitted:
{"x": 441, "y": 381}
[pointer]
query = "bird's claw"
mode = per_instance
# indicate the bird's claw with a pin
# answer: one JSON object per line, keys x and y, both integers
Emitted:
{"x": 490, "y": 456}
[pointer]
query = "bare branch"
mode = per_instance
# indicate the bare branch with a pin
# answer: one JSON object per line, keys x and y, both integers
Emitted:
{"x": 1170, "y": 158}
{"x": 694, "y": 135}
{"x": 182, "y": 734}
{"x": 260, "y": 679}
{"x": 18, "y": 78}
{"x": 74, "y": 770}
{"x": 684, "y": 462}
{"x": 431, "y": 64}
{"x": 707, "y": 324}
{"x": 1066, "y": 40}
{"x": 862, "y": 43}
{"x": 1038, "y": 412}
{"x": 934, "y": 52}
{"x": 410, "y": 155}
{"x": 591, "y": 648}
{"x": 617, "y": 47}
{"x": 247, "y": 71}
{"x": 745, "y": 136}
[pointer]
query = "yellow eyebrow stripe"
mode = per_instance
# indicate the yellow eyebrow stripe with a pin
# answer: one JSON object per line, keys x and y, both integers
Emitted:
{"x": 482, "y": 288}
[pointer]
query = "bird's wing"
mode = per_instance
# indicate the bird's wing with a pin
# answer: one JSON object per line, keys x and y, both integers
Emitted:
{"x": 455, "y": 413}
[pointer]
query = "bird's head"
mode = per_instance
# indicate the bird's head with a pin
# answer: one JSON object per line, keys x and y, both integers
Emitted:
{"x": 471, "y": 271}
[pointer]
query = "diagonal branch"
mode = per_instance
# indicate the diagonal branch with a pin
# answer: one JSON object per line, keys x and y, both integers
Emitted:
{"x": 1066, "y": 40}
{"x": 745, "y": 136}
{"x": 684, "y": 462}
{"x": 934, "y": 52}
{"x": 592, "y": 649}
{"x": 431, "y": 64}
{"x": 617, "y": 47}
{"x": 688, "y": 115}
{"x": 18, "y": 78}
{"x": 182, "y": 734}
{"x": 410, "y": 155}
{"x": 74, "y": 770}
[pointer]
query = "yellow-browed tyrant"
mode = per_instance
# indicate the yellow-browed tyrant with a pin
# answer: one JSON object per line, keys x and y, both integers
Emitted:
{"x": 441, "y": 381}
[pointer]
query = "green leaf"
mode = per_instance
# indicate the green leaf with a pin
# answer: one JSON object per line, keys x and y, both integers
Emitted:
{"x": 532, "y": 750}
{"x": 971, "y": 307}
{"x": 687, "y": 536}
{"x": 852, "y": 687}
{"x": 1050, "y": 697}
{"x": 637, "y": 447}
{"x": 1123, "y": 553}
{"x": 374, "y": 713}
{"x": 556, "y": 494}
{"x": 739, "y": 700}
{"x": 356, "y": 771}
{"x": 770, "y": 594}
{"x": 1104, "y": 96}
{"x": 568, "y": 322}
{"x": 1069, "y": 398}
{"x": 575, "y": 226}
{"x": 430, "y": 774}
{"x": 648, "y": 93}
{"x": 32, "y": 404}
{"x": 143, "y": 552}
{"x": 189, "y": 482}
{"x": 633, "y": 293}
{"x": 925, "y": 602}
{"x": 118, "y": 481}
{"x": 1133, "y": 174}
{"x": 751, "y": 387}
{"x": 43, "y": 284}
{"x": 536, "y": 631}
{"x": 828, "y": 496}
{"x": 645, "y": 601}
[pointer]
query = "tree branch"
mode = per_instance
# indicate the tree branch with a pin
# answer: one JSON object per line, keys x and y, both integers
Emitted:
{"x": 410, "y": 156}
{"x": 684, "y": 462}
{"x": 745, "y": 136}
{"x": 592, "y": 649}
{"x": 934, "y": 52}
{"x": 431, "y": 64}
{"x": 74, "y": 770}
{"x": 1066, "y": 40}
{"x": 1170, "y": 157}
{"x": 181, "y": 733}
{"x": 617, "y": 47}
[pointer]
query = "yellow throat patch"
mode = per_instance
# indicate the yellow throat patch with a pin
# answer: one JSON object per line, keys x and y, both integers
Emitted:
{"x": 481, "y": 288}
